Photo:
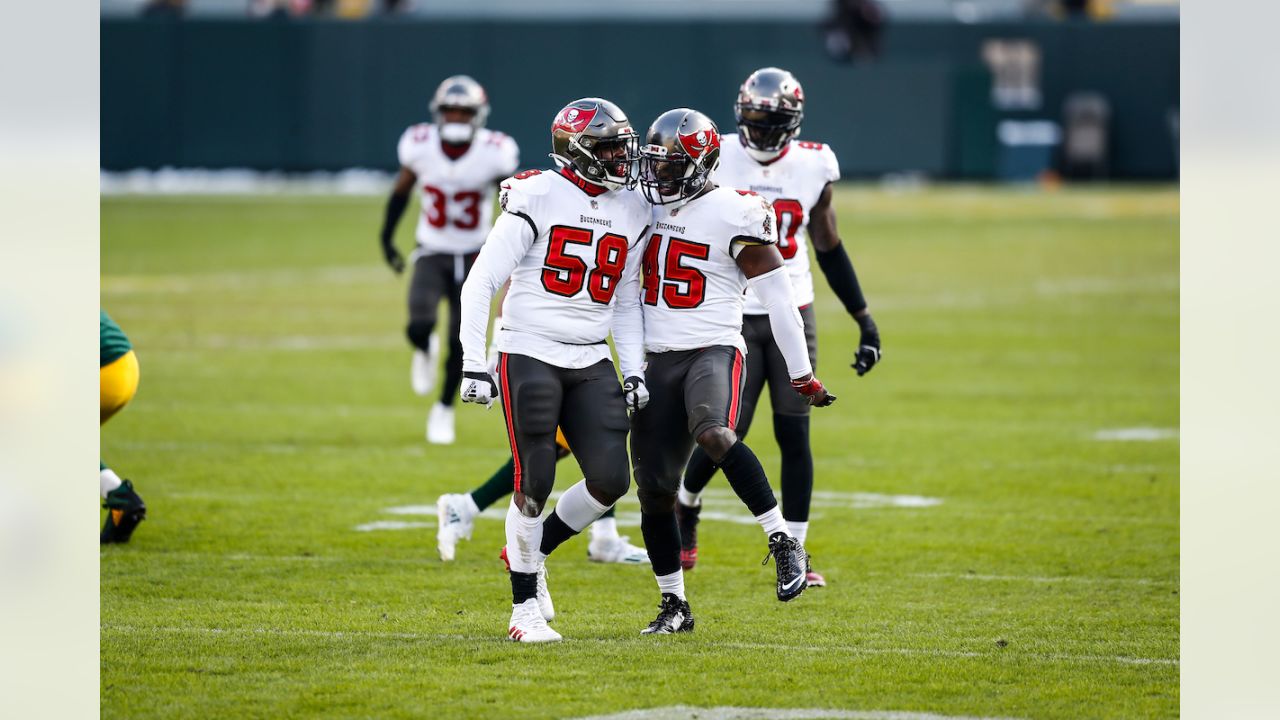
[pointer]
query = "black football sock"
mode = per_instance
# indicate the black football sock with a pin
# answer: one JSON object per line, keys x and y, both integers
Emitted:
{"x": 554, "y": 532}
{"x": 662, "y": 540}
{"x": 699, "y": 471}
{"x": 792, "y": 433}
{"x": 523, "y": 586}
{"x": 609, "y": 513}
{"x": 502, "y": 484}
{"x": 452, "y": 374}
{"x": 743, "y": 471}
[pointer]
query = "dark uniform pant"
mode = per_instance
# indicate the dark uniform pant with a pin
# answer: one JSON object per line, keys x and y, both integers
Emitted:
{"x": 586, "y": 404}
{"x": 437, "y": 276}
{"x": 690, "y": 391}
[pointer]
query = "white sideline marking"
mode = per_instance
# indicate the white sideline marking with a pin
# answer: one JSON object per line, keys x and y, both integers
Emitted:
{"x": 393, "y": 525}
{"x": 747, "y": 713}
{"x": 1042, "y": 579}
{"x": 1136, "y": 434}
{"x": 802, "y": 649}
{"x": 718, "y": 504}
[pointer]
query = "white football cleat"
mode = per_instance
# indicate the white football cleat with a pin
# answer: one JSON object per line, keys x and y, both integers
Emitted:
{"x": 440, "y": 425}
{"x": 422, "y": 371}
{"x": 545, "y": 606}
{"x": 528, "y": 625}
{"x": 454, "y": 523}
{"x": 616, "y": 549}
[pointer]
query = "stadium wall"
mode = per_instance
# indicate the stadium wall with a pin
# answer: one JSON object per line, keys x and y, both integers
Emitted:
{"x": 324, "y": 95}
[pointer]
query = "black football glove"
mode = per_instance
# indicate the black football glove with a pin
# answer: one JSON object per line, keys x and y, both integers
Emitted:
{"x": 635, "y": 393}
{"x": 869, "y": 347}
{"x": 393, "y": 257}
{"x": 478, "y": 387}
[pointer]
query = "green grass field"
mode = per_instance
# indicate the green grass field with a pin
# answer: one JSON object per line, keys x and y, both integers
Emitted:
{"x": 988, "y": 553}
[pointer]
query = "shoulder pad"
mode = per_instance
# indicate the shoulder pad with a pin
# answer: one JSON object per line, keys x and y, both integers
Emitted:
{"x": 748, "y": 212}
{"x": 516, "y": 194}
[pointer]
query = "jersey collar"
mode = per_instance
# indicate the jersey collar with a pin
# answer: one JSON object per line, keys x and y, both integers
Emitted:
{"x": 453, "y": 152}
{"x": 585, "y": 186}
{"x": 781, "y": 155}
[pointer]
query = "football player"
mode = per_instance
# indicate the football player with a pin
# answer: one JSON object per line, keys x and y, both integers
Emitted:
{"x": 795, "y": 177}
{"x": 455, "y": 163}
{"x": 117, "y": 384}
{"x": 456, "y": 514}
{"x": 708, "y": 244}
{"x": 569, "y": 241}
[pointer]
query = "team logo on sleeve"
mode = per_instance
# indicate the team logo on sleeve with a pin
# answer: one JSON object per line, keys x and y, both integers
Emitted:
{"x": 696, "y": 144}
{"x": 574, "y": 120}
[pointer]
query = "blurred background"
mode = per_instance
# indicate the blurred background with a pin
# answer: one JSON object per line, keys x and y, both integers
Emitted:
{"x": 981, "y": 90}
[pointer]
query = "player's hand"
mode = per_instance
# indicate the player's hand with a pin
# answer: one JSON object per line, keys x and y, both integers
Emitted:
{"x": 868, "y": 348}
{"x": 635, "y": 393}
{"x": 393, "y": 257}
{"x": 813, "y": 391}
{"x": 478, "y": 387}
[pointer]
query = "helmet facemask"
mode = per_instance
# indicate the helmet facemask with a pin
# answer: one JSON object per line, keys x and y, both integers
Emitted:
{"x": 614, "y": 161}
{"x": 766, "y": 131}
{"x": 669, "y": 178}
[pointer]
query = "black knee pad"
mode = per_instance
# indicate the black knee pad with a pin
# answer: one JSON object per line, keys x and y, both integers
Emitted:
{"x": 716, "y": 441}
{"x": 419, "y": 332}
{"x": 656, "y": 501}
{"x": 611, "y": 486}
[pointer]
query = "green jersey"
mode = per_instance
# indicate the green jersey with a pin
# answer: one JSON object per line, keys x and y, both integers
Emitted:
{"x": 112, "y": 343}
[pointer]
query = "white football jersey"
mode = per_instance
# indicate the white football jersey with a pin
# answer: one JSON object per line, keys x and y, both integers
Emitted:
{"x": 693, "y": 289}
{"x": 559, "y": 307}
{"x": 792, "y": 184}
{"x": 456, "y": 195}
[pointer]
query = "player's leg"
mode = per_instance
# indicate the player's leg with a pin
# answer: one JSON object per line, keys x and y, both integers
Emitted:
{"x": 456, "y": 512}
{"x": 699, "y": 470}
{"x": 426, "y": 287}
{"x": 531, "y": 396}
{"x": 660, "y": 446}
{"x": 791, "y": 429}
{"x": 713, "y": 395}
{"x": 594, "y": 418}
{"x": 440, "y": 428}
{"x": 117, "y": 384}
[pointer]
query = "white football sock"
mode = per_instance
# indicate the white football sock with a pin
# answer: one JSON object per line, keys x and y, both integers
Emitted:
{"x": 470, "y": 504}
{"x": 605, "y": 527}
{"x": 108, "y": 481}
{"x": 673, "y": 583}
{"x": 687, "y": 498}
{"x": 524, "y": 538}
{"x": 799, "y": 530}
{"x": 577, "y": 508}
{"x": 772, "y": 522}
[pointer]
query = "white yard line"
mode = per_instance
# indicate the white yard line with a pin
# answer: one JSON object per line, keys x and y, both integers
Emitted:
{"x": 799, "y": 649}
{"x": 675, "y": 712}
{"x": 1043, "y": 579}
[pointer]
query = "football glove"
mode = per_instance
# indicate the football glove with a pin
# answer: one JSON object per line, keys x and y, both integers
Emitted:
{"x": 478, "y": 387}
{"x": 393, "y": 257}
{"x": 869, "y": 347}
{"x": 635, "y": 393}
{"x": 813, "y": 391}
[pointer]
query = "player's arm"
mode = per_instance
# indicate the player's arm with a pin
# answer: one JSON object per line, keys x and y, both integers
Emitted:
{"x": 761, "y": 262}
{"x": 396, "y": 205}
{"x": 507, "y": 243}
{"x": 838, "y": 269}
{"x": 628, "y": 327}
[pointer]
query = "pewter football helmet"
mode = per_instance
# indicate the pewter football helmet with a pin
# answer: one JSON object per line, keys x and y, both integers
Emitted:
{"x": 681, "y": 150}
{"x": 769, "y": 111}
{"x": 594, "y": 138}
{"x": 464, "y": 93}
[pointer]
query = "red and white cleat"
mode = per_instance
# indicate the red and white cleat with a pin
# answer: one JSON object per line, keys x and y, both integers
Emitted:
{"x": 528, "y": 626}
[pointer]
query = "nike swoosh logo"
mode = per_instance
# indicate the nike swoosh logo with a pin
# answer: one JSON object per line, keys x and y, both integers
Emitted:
{"x": 793, "y": 583}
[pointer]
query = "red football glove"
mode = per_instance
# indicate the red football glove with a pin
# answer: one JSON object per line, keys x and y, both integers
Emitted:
{"x": 813, "y": 391}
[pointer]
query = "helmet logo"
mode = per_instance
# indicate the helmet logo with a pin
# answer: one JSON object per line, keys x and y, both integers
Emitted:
{"x": 574, "y": 120}
{"x": 697, "y": 143}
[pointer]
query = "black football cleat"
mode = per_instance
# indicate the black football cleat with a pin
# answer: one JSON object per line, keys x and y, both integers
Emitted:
{"x": 687, "y": 522}
{"x": 674, "y": 616}
{"x": 791, "y": 562}
{"x": 124, "y": 511}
